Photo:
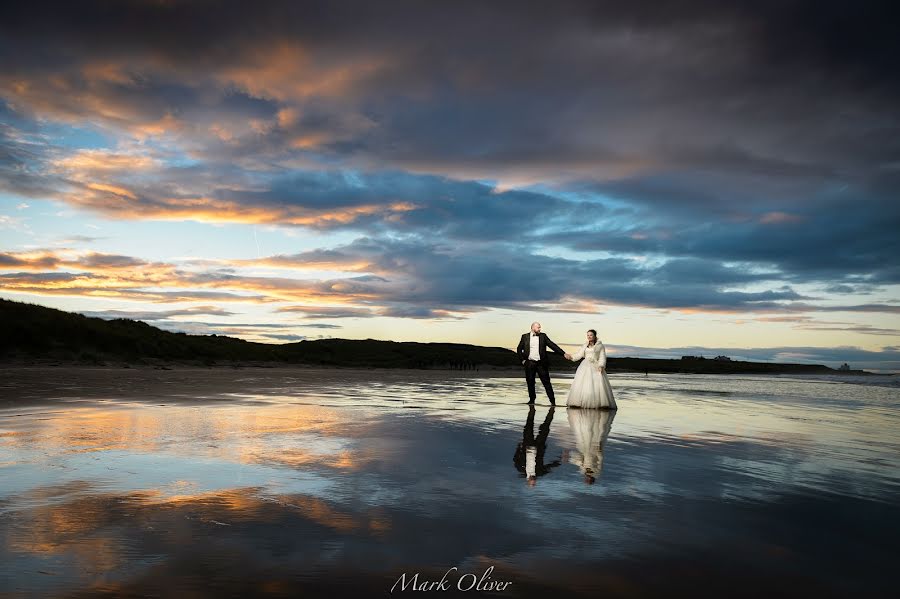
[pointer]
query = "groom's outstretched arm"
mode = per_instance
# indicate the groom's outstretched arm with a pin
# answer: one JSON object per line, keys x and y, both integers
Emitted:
{"x": 557, "y": 349}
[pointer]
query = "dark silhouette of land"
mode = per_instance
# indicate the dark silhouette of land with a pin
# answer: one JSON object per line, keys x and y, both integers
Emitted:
{"x": 34, "y": 334}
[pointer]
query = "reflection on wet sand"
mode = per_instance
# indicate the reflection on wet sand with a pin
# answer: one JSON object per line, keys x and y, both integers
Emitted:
{"x": 529, "y": 456}
{"x": 277, "y": 494}
{"x": 591, "y": 429}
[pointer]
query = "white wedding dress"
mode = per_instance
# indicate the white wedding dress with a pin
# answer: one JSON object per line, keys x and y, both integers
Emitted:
{"x": 590, "y": 387}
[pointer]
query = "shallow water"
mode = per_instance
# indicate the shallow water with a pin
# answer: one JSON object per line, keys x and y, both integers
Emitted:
{"x": 242, "y": 483}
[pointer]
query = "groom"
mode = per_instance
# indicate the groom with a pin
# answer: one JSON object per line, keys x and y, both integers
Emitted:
{"x": 532, "y": 351}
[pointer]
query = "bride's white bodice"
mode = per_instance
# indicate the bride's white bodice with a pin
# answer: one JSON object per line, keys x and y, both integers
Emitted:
{"x": 595, "y": 354}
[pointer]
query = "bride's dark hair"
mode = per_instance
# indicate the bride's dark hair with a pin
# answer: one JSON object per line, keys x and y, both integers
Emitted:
{"x": 595, "y": 334}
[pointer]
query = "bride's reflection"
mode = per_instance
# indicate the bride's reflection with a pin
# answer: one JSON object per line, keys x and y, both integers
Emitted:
{"x": 591, "y": 428}
{"x": 529, "y": 456}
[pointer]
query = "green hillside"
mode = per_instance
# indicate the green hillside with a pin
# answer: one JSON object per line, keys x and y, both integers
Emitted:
{"x": 30, "y": 331}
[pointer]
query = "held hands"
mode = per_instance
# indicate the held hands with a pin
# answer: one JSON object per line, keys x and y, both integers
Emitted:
{"x": 568, "y": 357}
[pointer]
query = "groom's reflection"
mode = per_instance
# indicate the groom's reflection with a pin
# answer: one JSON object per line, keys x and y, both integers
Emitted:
{"x": 529, "y": 456}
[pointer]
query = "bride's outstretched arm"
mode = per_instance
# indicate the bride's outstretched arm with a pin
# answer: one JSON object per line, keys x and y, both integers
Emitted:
{"x": 578, "y": 355}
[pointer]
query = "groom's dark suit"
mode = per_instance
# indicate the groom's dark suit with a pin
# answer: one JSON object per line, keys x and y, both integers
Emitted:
{"x": 541, "y": 366}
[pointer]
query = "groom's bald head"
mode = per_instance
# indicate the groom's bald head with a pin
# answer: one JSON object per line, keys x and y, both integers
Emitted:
{"x": 536, "y": 326}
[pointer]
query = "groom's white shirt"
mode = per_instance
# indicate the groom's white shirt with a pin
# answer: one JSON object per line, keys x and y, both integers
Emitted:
{"x": 535, "y": 350}
{"x": 530, "y": 461}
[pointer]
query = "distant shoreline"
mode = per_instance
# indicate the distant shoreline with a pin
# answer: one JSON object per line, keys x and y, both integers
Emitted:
{"x": 34, "y": 335}
{"x": 614, "y": 365}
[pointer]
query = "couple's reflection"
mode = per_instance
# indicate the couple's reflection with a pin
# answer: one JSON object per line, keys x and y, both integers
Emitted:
{"x": 590, "y": 427}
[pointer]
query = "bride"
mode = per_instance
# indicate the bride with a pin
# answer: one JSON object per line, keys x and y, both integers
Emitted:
{"x": 590, "y": 387}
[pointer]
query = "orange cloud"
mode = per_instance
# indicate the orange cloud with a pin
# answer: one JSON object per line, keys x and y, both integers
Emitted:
{"x": 107, "y": 93}
{"x": 124, "y": 277}
{"x": 285, "y": 70}
{"x": 296, "y": 263}
{"x": 103, "y": 160}
{"x": 113, "y": 189}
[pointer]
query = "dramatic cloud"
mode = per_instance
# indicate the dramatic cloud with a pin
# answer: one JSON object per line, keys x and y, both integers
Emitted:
{"x": 695, "y": 155}
{"x": 420, "y": 280}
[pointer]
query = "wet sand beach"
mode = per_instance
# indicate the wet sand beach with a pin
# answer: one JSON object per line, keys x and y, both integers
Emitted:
{"x": 310, "y": 482}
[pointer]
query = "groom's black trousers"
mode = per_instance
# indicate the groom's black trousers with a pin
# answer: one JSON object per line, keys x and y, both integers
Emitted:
{"x": 539, "y": 367}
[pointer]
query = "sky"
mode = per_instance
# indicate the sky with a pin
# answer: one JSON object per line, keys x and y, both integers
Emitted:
{"x": 695, "y": 177}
